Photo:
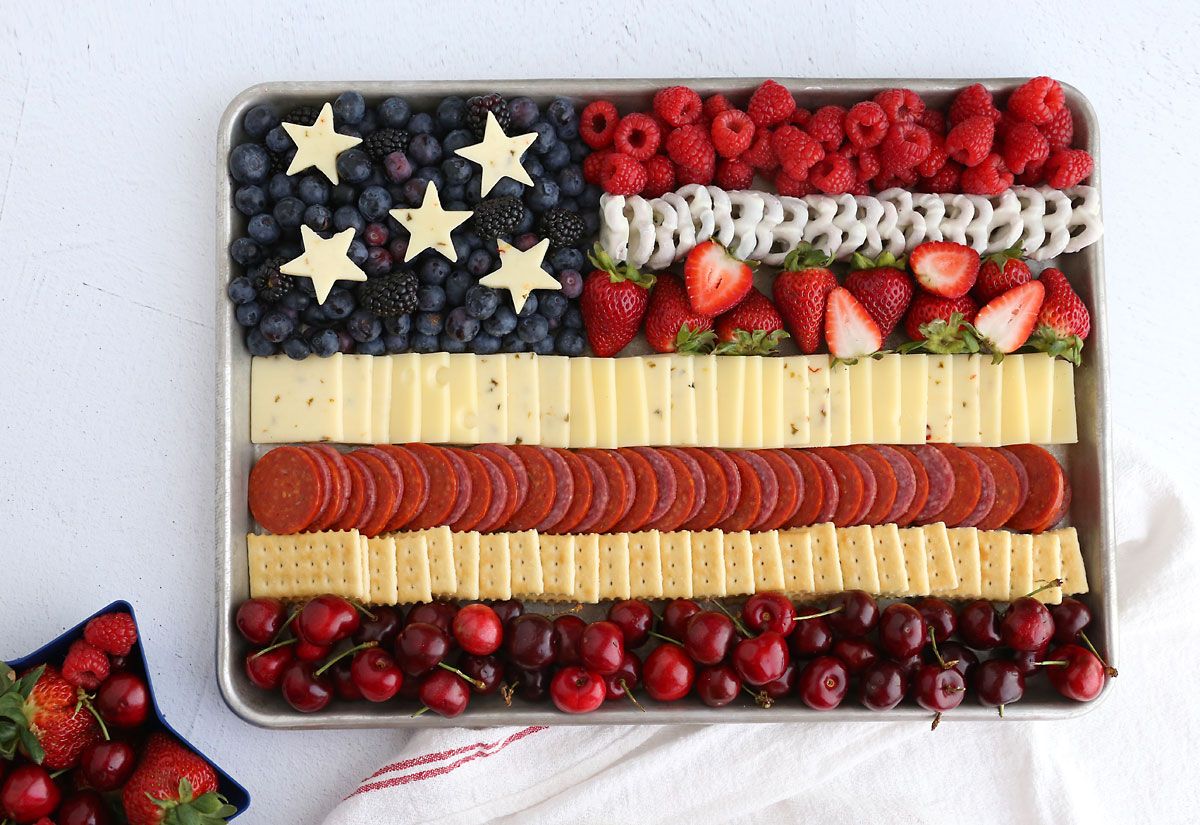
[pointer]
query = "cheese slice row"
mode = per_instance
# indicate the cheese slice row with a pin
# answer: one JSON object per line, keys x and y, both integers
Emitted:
{"x": 748, "y": 402}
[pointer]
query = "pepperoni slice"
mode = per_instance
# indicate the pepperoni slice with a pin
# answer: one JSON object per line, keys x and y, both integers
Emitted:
{"x": 397, "y": 474}
{"x": 581, "y": 499}
{"x": 681, "y": 503}
{"x": 481, "y": 490}
{"x": 387, "y": 493}
{"x": 285, "y": 492}
{"x": 884, "y": 477}
{"x": 363, "y": 497}
{"x": 326, "y": 473}
{"x": 1062, "y": 510}
{"x": 443, "y": 486}
{"x": 698, "y": 484}
{"x": 832, "y": 495}
{"x": 966, "y": 488}
{"x": 340, "y": 478}
{"x": 1022, "y": 476}
{"x": 645, "y": 486}
{"x": 870, "y": 488}
{"x": 733, "y": 481}
{"x": 905, "y": 479}
{"x": 849, "y": 483}
{"x": 614, "y": 474}
{"x": 941, "y": 481}
{"x": 987, "y": 492}
{"x": 518, "y": 469}
{"x": 790, "y": 486}
{"x": 540, "y": 484}
{"x": 462, "y": 477}
{"x": 664, "y": 478}
{"x": 813, "y": 491}
{"x": 564, "y": 488}
{"x": 503, "y": 500}
{"x": 767, "y": 481}
{"x": 600, "y": 494}
{"x": 716, "y": 491}
{"x": 1006, "y": 489}
{"x": 920, "y": 488}
{"x": 1047, "y": 488}
{"x": 415, "y": 486}
{"x": 751, "y": 499}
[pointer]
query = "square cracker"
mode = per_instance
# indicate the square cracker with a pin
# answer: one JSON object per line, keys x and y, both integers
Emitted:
{"x": 442, "y": 575}
{"x": 708, "y": 564}
{"x": 995, "y": 564}
{"x": 964, "y": 544}
{"x": 1047, "y": 566}
{"x": 306, "y": 564}
{"x": 558, "y": 565}
{"x": 916, "y": 560}
{"x": 366, "y": 568}
{"x": 614, "y": 566}
{"x": 795, "y": 553}
{"x": 943, "y": 577}
{"x": 827, "y": 569}
{"x": 856, "y": 556}
{"x": 525, "y": 558}
{"x": 675, "y": 554}
{"x": 645, "y": 565}
{"x": 466, "y": 564}
{"x": 1073, "y": 573}
{"x": 587, "y": 568}
{"x": 412, "y": 568}
{"x": 381, "y": 558}
{"x": 495, "y": 570}
{"x": 1020, "y": 579}
{"x": 768, "y": 561}
{"x": 739, "y": 564}
{"x": 889, "y": 560}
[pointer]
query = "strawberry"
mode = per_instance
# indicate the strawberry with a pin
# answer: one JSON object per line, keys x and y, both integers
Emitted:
{"x": 883, "y": 288}
{"x": 801, "y": 291}
{"x": 671, "y": 325}
{"x": 945, "y": 268}
{"x": 613, "y": 302}
{"x": 1006, "y": 321}
{"x": 1001, "y": 272}
{"x": 938, "y": 324}
{"x": 173, "y": 785}
{"x": 849, "y": 329}
{"x": 40, "y": 712}
{"x": 753, "y": 327}
{"x": 1063, "y": 322}
{"x": 715, "y": 280}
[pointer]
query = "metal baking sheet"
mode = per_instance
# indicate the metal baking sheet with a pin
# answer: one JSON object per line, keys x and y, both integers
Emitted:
{"x": 1088, "y": 463}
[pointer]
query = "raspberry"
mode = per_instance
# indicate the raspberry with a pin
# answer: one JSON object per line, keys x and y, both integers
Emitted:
{"x": 760, "y": 155}
{"x": 660, "y": 176}
{"x": 1036, "y": 101}
{"x": 734, "y": 174}
{"x": 946, "y": 179}
{"x": 797, "y": 150}
{"x": 770, "y": 104}
{"x": 622, "y": 175}
{"x": 936, "y": 159}
{"x": 1024, "y": 145}
{"x": 800, "y": 117}
{"x": 1067, "y": 167}
{"x": 86, "y": 666}
{"x": 690, "y": 146}
{"x": 598, "y": 123}
{"x": 971, "y": 140}
{"x": 678, "y": 105}
{"x": 1060, "y": 129}
{"x": 833, "y": 175}
{"x": 900, "y": 104}
{"x": 865, "y": 124}
{"x": 637, "y": 135}
{"x": 826, "y": 126}
{"x": 593, "y": 164}
{"x": 1034, "y": 175}
{"x": 991, "y": 177}
{"x": 860, "y": 187}
{"x": 788, "y": 186}
{"x": 702, "y": 175}
{"x": 905, "y": 146}
{"x": 715, "y": 105}
{"x": 972, "y": 101}
{"x": 902, "y": 179}
{"x": 867, "y": 162}
{"x": 732, "y": 133}
{"x": 113, "y": 633}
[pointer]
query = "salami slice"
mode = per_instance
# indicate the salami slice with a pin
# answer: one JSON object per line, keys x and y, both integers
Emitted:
{"x": 733, "y": 481}
{"x": 285, "y": 492}
{"x": 1006, "y": 489}
{"x": 507, "y": 455}
{"x": 504, "y": 491}
{"x": 750, "y": 501}
{"x": 416, "y": 486}
{"x": 340, "y": 478}
{"x": 790, "y": 485}
{"x": 941, "y": 481}
{"x": 699, "y": 487}
{"x": 920, "y": 488}
{"x": 645, "y": 492}
{"x": 768, "y": 484}
{"x": 481, "y": 491}
{"x": 443, "y": 486}
{"x": 680, "y": 505}
{"x": 812, "y": 494}
{"x": 967, "y": 486}
{"x": 1047, "y": 488}
{"x": 885, "y": 482}
{"x": 716, "y": 491}
{"x": 905, "y": 479}
{"x": 541, "y": 485}
{"x": 614, "y": 506}
{"x": 581, "y": 499}
{"x": 664, "y": 477}
{"x": 363, "y": 498}
{"x": 870, "y": 488}
{"x": 831, "y": 495}
{"x": 1022, "y": 477}
{"x": 849, "y": 483}
{"x": 600, "y": 494}
{"x": 564, "y": 488}
{"x": 387, "y": 493}
{"x": 987, "y": 493}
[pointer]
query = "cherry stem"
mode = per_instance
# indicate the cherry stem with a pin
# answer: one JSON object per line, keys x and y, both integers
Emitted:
{"x": 418, "y": 713}
{"x": 1000, "y": 710}
{"x": 937, "y": 718}
{"x": 737, "y": 621}
{"x": 363, "y": 610}
{"x": 274, "y": 646}
{"x": 506, "y": 691}
{"x": 286, "y": 622}
{"x": 629, "y": 693}
{"x": 343, "y": 655}
{"x": 1046, "y": 586}
{"x": 936, "y": 652}
{"x": 658, "y": 635}
{"x": 1052, "y": 662}
{"x": 86, "y": 702}
{"x": 819, "y": 615}
{"x": 458, "y": 672}
{"x": 1109, "y": 670}
{"x": 578, "y": 607}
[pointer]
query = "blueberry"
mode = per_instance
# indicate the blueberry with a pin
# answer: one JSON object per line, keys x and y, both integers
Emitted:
{"x": 295, "y": 299}
{"x": 399, "y": 248}
{"x": 318, "y": 218}
{"x": 502, "y": 322}
{"x": 481, "y": 302}
{"x": 591, "y": 222}
{"x": 457, "y": 140}
{"x": 457, "y": 170}
{"x": 552, "y": 304}
{"x": 430, "y": 174}
{"x": 532, "y": 328}
{"x": 451, "y": 113}
{"x": 249, "y": 163}
{"x": 457, "y": 285}
{"x": 425, "y": 150}
{"x": 561, "y": 112}
{"x": 241, "y": 290}
{"x": 325, "y": 343}
{"x": 278, "y": 140}
{"x": 379, "y": 261}
{"x": 349, "y": 107}
{"x": 346, "y": 342}
{"x": 296, "y": 348}
{"x": 373, "y": 347}
{"x": 263, "y": 228}
{"x": 369, "y": 122}
{"x": 542, "y": 195}
{"x": 590, "y": 196}
{"x": 454, "y": 198}
{"x": 573, "y": 317}
{"x": 434, "y": 270}
{"x": 460, "y": 326}
{"x": 530, "y": 307}
{"x": 430, "y": 298}
{"x": 427, "y": 323}
{"x": 462, "y": 245}
{"x": 579, "y": 151}
{"x": 557, "y": 158}
{"x": 290, "y": 248}
{"x": 275, "y": 326}
{"x": 374, "y": 202}
{"x": 414, "y": 191}
{"x": 474, "y": 189}
{"x": 566, "y": 258}
{"x": 259, "y": 345}
{"x": 344, "y": 195}
{"x": 485, "y": 344}
{"x": 545, "y": 137}
{"x": 398, "y": 325}
{"x": 533, "y": 166}
{"x": 364, "y": 326}
{"x": 289, "y": 213}
{"x": 570, "y": 204}
{"x": 359, "y": 253}
{"x": 339, "y": 304}
{"x": 569, "y": 342}
{"x": 395, "y": 344}
{"x": 250, "y": 200}
{"x": 572, "y": 283}
{"x": 376, "y": 234}
{"x": 506, "y": 187}
{"x": 292, "y": 314}
{"x": 397, "y": 167}
{"x": 448, "y": 343}
{"x": 314, "y": 314}
{"x": 347, "y": 217}
{"x": 479, "y": 262}
{"x": 353, "y": 166}
{"x": 248, "y": 314}
{"x": 313, "y": 189}
{"x": 525, "y": 224}
{"x": 543, "y": 346}
{"x": 260, "y": 120}
{"x": 421, "y": 342}
{"x": 511, "y": 343}
{"x": 398, "y": 197}
{"x": 421, "y": 124}
{"x": 246, "y": 252}
{"x": 394, "y": 112}
{"x": 523, "y": 112}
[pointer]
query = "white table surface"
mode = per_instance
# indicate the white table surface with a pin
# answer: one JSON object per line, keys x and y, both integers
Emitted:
{"x": 108, "y": 118}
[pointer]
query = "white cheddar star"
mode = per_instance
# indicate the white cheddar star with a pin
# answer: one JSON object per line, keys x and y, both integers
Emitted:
{"x": 429, "y": 227}
{"x": 499, "y": 156}
{"x": 325, "y": 261}
{"x": 318, "y": 145}
{"x": 521, "y": 272}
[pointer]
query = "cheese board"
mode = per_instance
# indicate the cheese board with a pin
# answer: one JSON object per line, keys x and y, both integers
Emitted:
{"x": 1077, "y": 443}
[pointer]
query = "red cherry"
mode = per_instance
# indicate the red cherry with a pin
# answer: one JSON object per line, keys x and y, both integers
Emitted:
{"x": 717, "y": 686}
{"x": 531, "y": 685}
{"x": 259, "y": 620}
{"x": 265, "y": 669}
{"x": 325, "y": 620}
{"x": 668, "y": 673}
{"x": 858, "y": 616}
{"x": 29, "y": 793}
{"x": 761, "y": 659}
{"x": 676, "y": 615}
{"x": 576, "y": 689}
{"x": 478, "y": 629}
{"x": 627, "y": 677}
{"x": 83, "y": 808}
{"x": 1081, "y": 678}
{"x": 439, "y": 614}
{"x": 382, "y": 629}
{"x": 106, "y": 765}
{"x": 1029, "y": 662}
{"x": 530, "y": 641}
{"x": 770, "y": 611}
{"x": 940, "y": 619}
{"x": 901, "y": 630}
{"x": 486, "y": 669}
{"x": 602, "y": 647}
{"x": 999, "y": 682}
{"x": 785, "y": 684}
{"x": 376, "y": 673}
{"x": 959, "y": 657}
{"x": 937, "y": 688}
{"x": 909, "y": 665}
{"x": 124, "y": 700}
{"x": 343, "y": 681}
{"x": 882, "y": 686}
{"x": 1027, "y": 624}
{"x": 813, "y": 636}
{"x": 445, "y": 693}
{"x": 507, "y": 610}
{"x": 303, "y": 689}
{"x": 306, "y": 651}
{"x": 635, "y": 618}
{"x": 568, "y": 628}
{"x": 1071, "y": 618}
{"x": 420, "y": 647}
{"x": 823, "y": 683}
{"x": 708, "y": 637}
{"x": 856, "y": 654}
{"x": 118, "y": 664}
{"x": 979, "y": 625}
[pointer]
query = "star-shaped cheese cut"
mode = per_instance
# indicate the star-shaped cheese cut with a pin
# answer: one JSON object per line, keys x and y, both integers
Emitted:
{"x": 498, "y": 155}
{"x": 429, "y": 227}
{"x": 325, "y": 261}
{"x": 318, "y": 145}
{"x": 521, "y": 272}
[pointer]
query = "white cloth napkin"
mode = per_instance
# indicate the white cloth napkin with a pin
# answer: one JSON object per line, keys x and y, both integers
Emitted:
{"x": 1102, "y": 767}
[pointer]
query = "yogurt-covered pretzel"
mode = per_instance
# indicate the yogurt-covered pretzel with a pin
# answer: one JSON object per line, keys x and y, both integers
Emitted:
{"x": 959, "y": 212}
{"x": 980, "y": 224}
{"x": 641, "y": 230}
{"x": 765, "y": 231}
{"x": 853, "y": 229}
{"x": 820, "y": 231}
{"x": 1006, "y": 225}
{"x": 1056, "y": 223}
{"x": 722, "y": 216}
{"x": 746, "y": 210}
{"x": 931, "y": 209}
{"x": 1033, "y": 214}
{"x": 1085, "y": 225}
{"x": 614, "y": 227}
{"x": 666, "y": 229}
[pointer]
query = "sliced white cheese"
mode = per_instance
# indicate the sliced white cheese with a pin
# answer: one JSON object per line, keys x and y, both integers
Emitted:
{"x": 357, "y": 389}
{"x": 295, "y": 400}
{"x": 405, "y": 420}
{"x": 491, "y": 383}
{"x": 965, "y": 428}
{"x": 704, "y": 378}
{"x": 772, "y": 402}
{"x": 604, "y": 389}
{"x": 381, "y": 399}
{"x": 839, "y": 404}
{"x": 583, "y": 404}
{"x": 554, "y": 387}
{"x": 1039, "y": 393}
{"x": 752, "y": 398}
{"x": 633, "y": 424}
{"x": 682, "y": 389}
{"x": 524, "y": 417}
{"x": 658, "y": 400}
{"x": 885, "y": 399}
{"x": 991, "y": 401}
{"x": 464, "y": 399}
{"x": 819, "y": 400}
{"x": 435, "y": 397}
{"x": 940, "y": 410}
{"x": 731, "y": 400}
{"x": 1063, "y": 427}
{"x": 797, "y": 408}
{"x": 914, "y": 398}
{"x": 862, "y": 405}
{"x": 1014, "y": 409}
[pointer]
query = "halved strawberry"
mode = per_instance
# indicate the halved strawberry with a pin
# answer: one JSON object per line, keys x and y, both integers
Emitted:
{"x": 715, "y": 280}
{"x": 945, "y": 268}
{"x": 800, "y": 293}
{"x": 1006, "y": 321}
{"x": 849, "y": 329}
{"x": 671, "y": 323}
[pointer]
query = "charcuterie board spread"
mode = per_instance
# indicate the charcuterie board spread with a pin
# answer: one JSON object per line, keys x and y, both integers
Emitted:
{"x": 719, "y": 399}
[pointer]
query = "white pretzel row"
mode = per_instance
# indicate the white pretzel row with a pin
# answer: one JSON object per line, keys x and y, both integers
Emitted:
{"x": 759, "y": 226}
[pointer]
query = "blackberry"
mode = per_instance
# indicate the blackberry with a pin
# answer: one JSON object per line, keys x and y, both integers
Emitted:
{"x": 270, "y": 282}
{"x": 388, "y": 296}
{"x": 562, "y": 226}
{"x": 303, "y": 115}
{"x": 480, "y": 105}
{"x": 382, "y": 143}
{"x": 280, "y": 161}
{"x": 498, "y": 216}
